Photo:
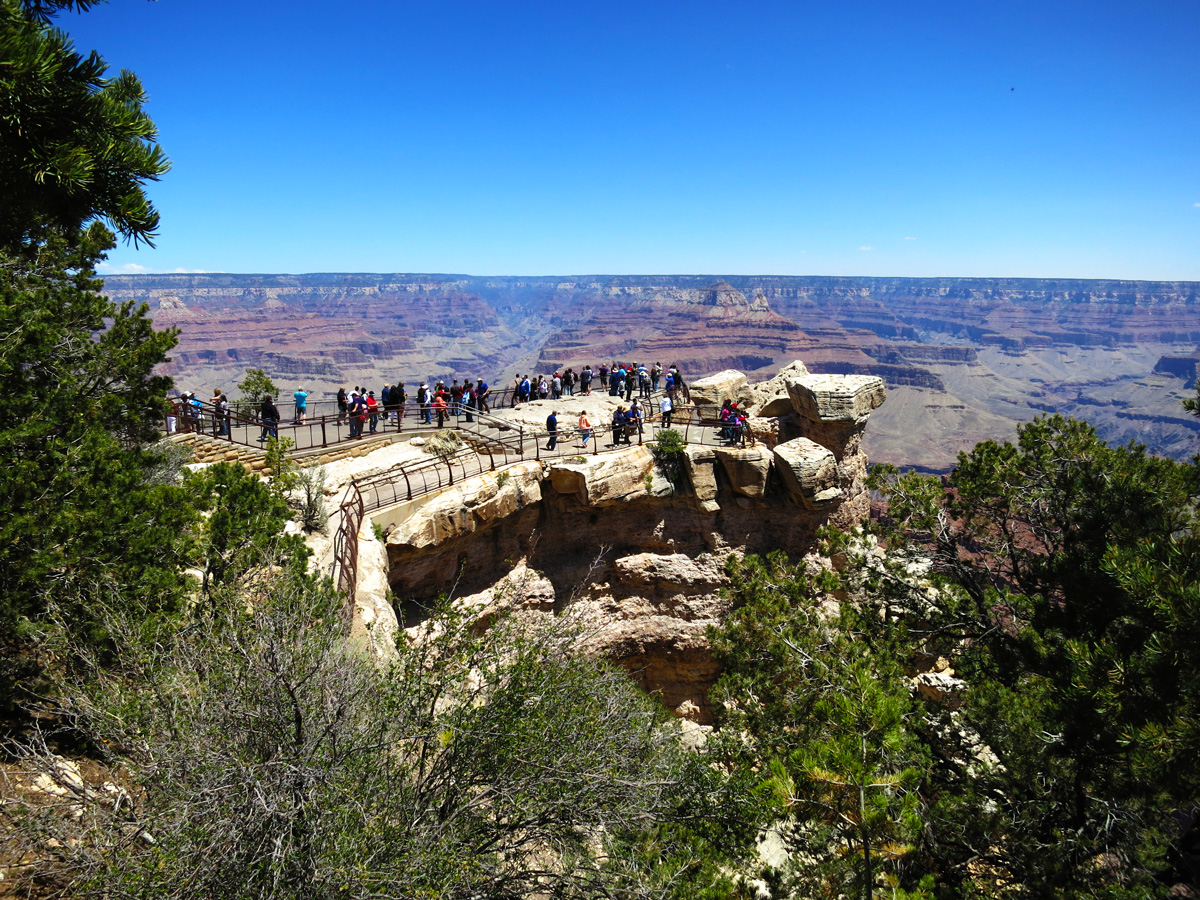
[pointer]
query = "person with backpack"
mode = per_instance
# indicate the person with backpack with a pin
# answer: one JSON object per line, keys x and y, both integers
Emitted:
{"x": 270, "y": 419}
{"x": 666, "y": 407}
{"x": 423, "y": 401}
{"x": 355, "y": 412}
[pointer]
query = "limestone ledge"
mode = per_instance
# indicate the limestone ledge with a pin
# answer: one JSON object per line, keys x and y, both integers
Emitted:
{"x": 611, "y": 538}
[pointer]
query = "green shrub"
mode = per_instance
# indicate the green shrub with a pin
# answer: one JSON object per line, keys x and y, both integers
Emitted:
{"x": 669, "y": 452}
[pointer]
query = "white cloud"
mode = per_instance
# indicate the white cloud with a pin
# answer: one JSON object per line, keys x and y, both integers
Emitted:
{"x": 910, "y": 238}
{"x": 866, "y": 248}
{"x": 105, "y": 268}
{"x": 123, "y": 269}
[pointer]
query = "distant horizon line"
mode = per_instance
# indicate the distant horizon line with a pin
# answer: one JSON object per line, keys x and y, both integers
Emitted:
{"x": 665, "y": 276}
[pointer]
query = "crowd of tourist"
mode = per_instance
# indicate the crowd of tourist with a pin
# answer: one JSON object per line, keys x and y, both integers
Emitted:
{"x": 363, "y": 411}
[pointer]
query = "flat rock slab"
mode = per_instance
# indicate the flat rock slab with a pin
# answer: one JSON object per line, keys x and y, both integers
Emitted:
{"x": 847, "y": 399}
{"x": 809, "y": 472}
{"x": 747, "y": 469}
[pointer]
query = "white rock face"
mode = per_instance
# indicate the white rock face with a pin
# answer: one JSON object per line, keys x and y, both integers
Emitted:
{"x": 675, "y": 572}
{"x": 747, "y": 469}
{"x": 700, "y": 464}
{"x": 771, "y": 397}
{"x": 374, "y": 623}
{"x": 809, "y": 470}
{"x": 611, "y": 478}
{"x": 470, "y": 506}
{"x": 714, "y": 390}
{"x": 846, "y": 399}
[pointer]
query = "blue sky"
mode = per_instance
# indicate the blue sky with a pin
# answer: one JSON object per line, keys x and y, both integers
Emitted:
{"x": 1054, "y": 139}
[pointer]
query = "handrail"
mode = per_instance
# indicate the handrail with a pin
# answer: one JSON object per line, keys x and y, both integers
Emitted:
{"x": 370, "y": 492}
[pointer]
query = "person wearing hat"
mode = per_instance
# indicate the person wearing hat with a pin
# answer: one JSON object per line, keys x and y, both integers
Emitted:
{"x": 301, "y": 397}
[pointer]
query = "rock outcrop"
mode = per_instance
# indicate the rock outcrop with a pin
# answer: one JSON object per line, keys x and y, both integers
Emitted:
{"x": 613, "y": 537}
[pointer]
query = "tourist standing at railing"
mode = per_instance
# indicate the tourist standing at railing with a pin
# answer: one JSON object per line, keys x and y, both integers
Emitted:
{"x": 585, "y": 427}
{"x": 556, "y": 385}
{"x": 216, "y": 418}
{"x": 643, "y": 376}
{"x": 666, "y": 408}
{"x": 585, "y": 380}
{"x": 399, "y": 401}
{"x": 270, "y": 419}
{"x": 616, "y": 380}
{"x": 482, "y": 391}
{"x": 301, "y": 398}
{"x": 655, "y": 374}
{"x": 637, "y": 415}
{"x": 372, "y": 410}
{"x": 552, "y": 430}
{"x": 620, "y": 425}
{"x": 470, "y": 399}
{"x": 569, "y": 382}
{"x": 354, "y": 411}
{"x": 195, "y": 412}
{"x": 670, "y": 386}
{"x": 423, "y": 401}
{"x": 223, "y": 414}
{"x": 388, "y": 404}
{"x": 630, "y": 381}
{"x": 680, "y": 386}
{"x": 440, "y": 408}
{"x": 343, "y": 403}
{"x": 603, "y": 378}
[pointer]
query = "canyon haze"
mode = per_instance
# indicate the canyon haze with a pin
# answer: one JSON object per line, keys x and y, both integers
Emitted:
{"x": 964, "y": 359}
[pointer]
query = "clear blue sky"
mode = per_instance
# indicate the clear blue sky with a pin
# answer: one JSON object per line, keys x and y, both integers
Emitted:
{"x": 976, "y": 138}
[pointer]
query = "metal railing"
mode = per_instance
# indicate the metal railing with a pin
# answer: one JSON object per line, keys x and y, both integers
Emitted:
{"x": 487, "y": 452}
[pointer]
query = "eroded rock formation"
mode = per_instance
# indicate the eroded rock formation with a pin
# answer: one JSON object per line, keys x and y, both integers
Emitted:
{"x": 612, "y": 537}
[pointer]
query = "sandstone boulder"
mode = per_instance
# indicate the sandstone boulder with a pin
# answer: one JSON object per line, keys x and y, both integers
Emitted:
{"x": 771, "y": 397}
{"x": 747, "y": 469}
{"x": 714, "y": 390}
{"x": 700, "y": 463}
{"x": 809, "y": 471}
{"x": 767, "y": 431}
{"x": 611, "y": 478}
{"x": 844, "y": 399}
{"x": 665, "y": 574}
{"x": 468, "y": 507}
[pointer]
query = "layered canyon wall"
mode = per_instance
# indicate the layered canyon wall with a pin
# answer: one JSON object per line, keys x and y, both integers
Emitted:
{"x": 965, "y": 359}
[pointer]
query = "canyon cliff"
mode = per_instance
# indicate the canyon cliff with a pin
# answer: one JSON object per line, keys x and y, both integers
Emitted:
{"x": 621, "y": 540}
{"x": 964, "y": 359}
